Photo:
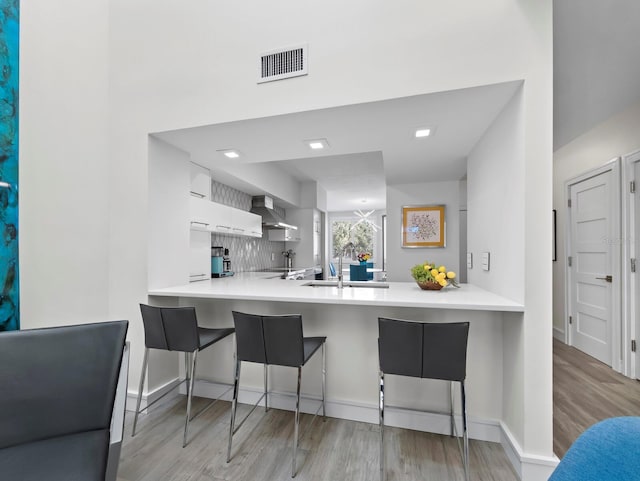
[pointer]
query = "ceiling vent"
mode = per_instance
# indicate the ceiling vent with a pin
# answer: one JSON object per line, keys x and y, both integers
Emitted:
{"x": 281, "y": 64}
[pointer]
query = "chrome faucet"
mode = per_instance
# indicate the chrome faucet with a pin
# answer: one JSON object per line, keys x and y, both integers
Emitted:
{"x": 349, "y": 246}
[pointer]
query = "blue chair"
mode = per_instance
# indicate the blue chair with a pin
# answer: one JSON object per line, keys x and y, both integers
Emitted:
{"x": 608, "y": 450}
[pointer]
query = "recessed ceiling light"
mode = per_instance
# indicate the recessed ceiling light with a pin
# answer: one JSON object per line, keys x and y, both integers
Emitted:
{"x": 422, "y": 133}
{"x": 232, "y": 154}
{"x": 317, "y": 144}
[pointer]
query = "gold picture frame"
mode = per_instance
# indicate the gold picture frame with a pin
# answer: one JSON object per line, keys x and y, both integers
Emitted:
{"x": 423, "y": 226}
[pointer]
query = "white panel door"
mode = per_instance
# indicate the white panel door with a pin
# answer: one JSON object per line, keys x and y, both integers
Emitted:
{"x": 635, "y": 222}
{"x": 591, "y": 248}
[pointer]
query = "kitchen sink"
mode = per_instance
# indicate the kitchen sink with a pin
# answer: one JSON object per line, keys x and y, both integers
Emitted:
{"x": 377, "y": 285}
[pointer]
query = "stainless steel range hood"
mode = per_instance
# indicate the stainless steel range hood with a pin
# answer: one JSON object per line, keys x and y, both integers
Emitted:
{"x": 263, "y": 206}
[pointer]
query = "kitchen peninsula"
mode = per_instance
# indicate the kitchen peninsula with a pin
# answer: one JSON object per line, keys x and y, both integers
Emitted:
{"x": 348, "y": 317}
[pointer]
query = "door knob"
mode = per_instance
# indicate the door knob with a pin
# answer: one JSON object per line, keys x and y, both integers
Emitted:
{"x": 608, "y": 278}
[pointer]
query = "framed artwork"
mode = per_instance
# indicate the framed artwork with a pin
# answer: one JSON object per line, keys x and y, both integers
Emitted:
{"x": 423, "y": 226}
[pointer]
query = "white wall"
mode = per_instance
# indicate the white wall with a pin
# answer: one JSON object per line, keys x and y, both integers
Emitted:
{"x": 64, "y": 161}
{"x": 400, "y": 260}
{"x": 169, "y": 183}
{"x": 495, "y": 202}
{"x": 617, "y": 136}
{"x": 171, "y": 66}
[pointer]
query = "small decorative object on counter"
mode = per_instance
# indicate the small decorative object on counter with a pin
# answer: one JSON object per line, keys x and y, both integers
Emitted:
{"x": 430, "y": 276}
{"x": 289, "y": 255}
{"x": 363, "y": 257}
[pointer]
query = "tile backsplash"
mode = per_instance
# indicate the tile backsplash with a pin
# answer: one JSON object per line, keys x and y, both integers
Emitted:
{"x": 246, "y": 253}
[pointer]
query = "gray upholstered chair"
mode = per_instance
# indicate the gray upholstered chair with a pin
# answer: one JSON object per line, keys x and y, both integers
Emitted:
{"x": 427, "y": 351}
{"x": 176, "y": 329}
{"x": 57, "y": 401}
{"x": 278, "y": 341}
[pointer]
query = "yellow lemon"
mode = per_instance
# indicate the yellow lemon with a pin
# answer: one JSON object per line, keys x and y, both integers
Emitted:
{"x": 441, "y": 275}
{"x": 451, "y": 275}
{"x": 426, "y": 267}
{"x": 443, "y": 282}
{"x": 442, "y": 269}
{"x": 434, "y": 272}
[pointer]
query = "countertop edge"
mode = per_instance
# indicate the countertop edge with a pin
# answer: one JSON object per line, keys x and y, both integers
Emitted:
{"x": 403, "y": 291}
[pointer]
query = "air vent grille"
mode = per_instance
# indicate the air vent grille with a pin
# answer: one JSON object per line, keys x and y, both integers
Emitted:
{"x": 281, "y": 64}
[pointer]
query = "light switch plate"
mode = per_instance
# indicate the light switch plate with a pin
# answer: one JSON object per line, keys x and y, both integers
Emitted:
{"x": 485, "y": 261}
{"x": 469, "y": 260}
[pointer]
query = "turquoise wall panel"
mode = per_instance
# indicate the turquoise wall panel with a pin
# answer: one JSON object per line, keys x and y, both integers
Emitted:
{"x": 9, "y": 269}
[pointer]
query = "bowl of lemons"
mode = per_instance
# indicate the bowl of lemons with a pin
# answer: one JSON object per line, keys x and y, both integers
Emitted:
{"x": 431, "y": 277}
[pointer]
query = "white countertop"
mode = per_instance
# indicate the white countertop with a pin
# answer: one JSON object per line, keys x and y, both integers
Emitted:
{"x": 259, "y": 286}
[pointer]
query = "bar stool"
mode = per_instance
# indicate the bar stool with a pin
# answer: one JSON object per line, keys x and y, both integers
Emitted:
{"x": 278, "y": 341}
{"x": 176, "y": 329}
{"x": 427, "y": 351}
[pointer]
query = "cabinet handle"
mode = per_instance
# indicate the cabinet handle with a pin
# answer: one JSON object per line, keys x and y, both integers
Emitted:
{"x": 198, "y": 194}
{"x": 238, "y": 229}
{"x": 199, "y": 223}
{"x": 223, "y": 226}
{"x": 197, "y": 275}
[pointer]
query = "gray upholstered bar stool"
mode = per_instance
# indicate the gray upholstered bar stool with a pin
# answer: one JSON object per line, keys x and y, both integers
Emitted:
{"x": 427, "y": 351}
{"x": 176, "y": 329}
{"x": 278, "y": 341}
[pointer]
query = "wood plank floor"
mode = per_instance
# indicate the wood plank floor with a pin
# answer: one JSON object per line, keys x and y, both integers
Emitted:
{"x": 335, "y": 450}
{"x": 586, "y": 391}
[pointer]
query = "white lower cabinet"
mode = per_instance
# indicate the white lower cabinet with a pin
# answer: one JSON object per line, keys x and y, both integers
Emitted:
{"x": 199, "y": 255}
{"x": 199, "y": 213}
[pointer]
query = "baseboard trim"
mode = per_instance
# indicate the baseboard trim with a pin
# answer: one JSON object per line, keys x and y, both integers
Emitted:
{"x": 558, "y": 334}
{"x": 439, "y": 423}
{"x": 149, "y": 397}
{"x": 529, "y": 467}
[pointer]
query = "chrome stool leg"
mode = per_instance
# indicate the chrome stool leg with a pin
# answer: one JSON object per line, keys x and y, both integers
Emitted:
{"x": 187, "y": 374}
{"x": 140, "y": 388}
{"x": 324, "y": 375}
{"x": 266, "y": 387}
{"x": 451, "y": 398}
{"x": 297, "y": 423}
{"x": 464, "y": 432}
{"x": 234, "y": 406}
{"x": 381, "y": 414}
{"x": 190, "y": 396}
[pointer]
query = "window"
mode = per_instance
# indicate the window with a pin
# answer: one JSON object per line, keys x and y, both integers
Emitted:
{"x": 346, "y": 229}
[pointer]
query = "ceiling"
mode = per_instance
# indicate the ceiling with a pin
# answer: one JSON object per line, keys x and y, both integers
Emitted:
{"x": 596, "y": 74}
{"x": 371, "y": 145}
{"x": 596, "y": 63}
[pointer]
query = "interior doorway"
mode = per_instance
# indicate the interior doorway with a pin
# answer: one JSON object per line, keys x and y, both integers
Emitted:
{"x": 593, "y": 245}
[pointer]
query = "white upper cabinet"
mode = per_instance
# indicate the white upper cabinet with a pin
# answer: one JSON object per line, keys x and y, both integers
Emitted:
{"x": 286, "y": 235}
{"x": 213, "y": 217}
{"x": 200, "y": 182}
{"x": 220, "y": 218}
{"x": 246, "y": 223}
